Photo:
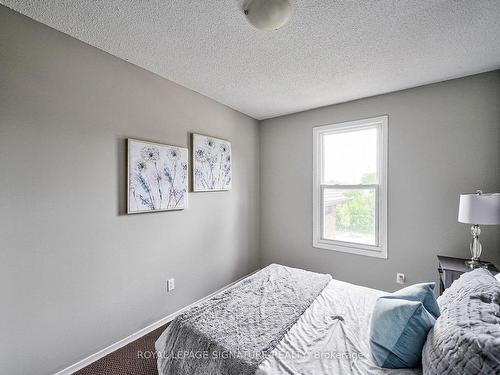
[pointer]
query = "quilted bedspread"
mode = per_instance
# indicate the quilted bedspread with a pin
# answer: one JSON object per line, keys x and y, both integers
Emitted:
{"x": 466, "y": 337}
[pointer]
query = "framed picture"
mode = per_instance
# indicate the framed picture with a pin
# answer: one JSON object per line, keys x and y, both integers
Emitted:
{"x": 157, "y": 177}
{"x": 211, "y": 163}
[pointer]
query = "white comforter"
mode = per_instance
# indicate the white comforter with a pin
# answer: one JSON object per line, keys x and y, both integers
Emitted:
{"x": 331, "y": 337}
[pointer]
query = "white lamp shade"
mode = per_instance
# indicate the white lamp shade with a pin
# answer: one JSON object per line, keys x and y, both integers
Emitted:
{"x": 481, "y": 209}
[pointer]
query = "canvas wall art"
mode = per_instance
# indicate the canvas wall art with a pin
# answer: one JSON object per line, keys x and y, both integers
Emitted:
{"x": 157, "y": 177}
{"x": 211, "y": 163}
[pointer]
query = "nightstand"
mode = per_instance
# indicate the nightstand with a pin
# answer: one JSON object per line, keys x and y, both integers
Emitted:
{"x": 451, "y": 268}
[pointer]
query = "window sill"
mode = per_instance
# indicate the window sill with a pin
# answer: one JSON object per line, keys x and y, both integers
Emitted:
{"x": 358, "y": 249}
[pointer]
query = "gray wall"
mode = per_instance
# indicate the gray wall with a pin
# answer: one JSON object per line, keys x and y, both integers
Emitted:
{"x": 76, "y": 274}
{"x": 443, "y": 139}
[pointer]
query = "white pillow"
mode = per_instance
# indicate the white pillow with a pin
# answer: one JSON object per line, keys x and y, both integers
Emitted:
{"x": 497, "y": 276}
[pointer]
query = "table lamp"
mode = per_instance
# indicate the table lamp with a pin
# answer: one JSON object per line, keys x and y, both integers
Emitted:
{"x": 478, "y": 209}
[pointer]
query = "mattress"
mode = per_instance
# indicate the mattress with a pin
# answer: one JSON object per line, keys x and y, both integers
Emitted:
{"x": 331, "y": 337}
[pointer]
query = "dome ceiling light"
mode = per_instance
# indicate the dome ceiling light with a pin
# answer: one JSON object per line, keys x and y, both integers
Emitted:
{"x": 268, "y": 14}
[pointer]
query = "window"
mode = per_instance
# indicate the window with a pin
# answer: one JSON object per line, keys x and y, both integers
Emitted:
{"x": 350, "y": 187}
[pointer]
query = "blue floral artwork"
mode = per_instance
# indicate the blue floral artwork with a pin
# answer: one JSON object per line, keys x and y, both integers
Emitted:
{"x": 157, "y": 177}
{"x": 211, "y": 163}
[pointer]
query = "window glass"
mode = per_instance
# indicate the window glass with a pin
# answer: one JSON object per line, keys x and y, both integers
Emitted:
{"x": 350, "y": 157}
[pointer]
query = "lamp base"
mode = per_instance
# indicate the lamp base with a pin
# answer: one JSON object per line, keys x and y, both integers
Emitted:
{"x": 477, "y": 264}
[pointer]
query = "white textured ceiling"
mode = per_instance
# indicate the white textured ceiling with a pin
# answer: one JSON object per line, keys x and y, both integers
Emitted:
{"x": 330, "y": 52}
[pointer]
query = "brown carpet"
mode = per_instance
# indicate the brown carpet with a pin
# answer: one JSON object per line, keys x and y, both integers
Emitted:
{"x": 136, "y": 358}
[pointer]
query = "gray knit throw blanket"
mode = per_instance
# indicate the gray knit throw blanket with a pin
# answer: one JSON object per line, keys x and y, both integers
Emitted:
{"x": 231, "y": 333}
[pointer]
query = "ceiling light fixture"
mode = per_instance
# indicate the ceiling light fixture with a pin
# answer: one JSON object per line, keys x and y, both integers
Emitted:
{"x": 268, "y": 14}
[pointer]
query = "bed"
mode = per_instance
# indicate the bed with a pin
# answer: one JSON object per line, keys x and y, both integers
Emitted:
{"x": 305, "y": 323}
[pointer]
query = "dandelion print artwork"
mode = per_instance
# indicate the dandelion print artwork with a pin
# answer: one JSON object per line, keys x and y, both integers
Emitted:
{"x": 158, "y": 177}
{"x": 211, "y": 163}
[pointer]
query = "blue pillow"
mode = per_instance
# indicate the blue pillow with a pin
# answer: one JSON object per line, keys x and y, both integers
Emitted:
{"x": 421, "y": 293}
{"x": 399, "y": 326}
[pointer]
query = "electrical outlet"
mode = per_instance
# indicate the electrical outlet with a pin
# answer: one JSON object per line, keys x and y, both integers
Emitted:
{"x": 400, "y": 278}
{"x": 170, "y": 285}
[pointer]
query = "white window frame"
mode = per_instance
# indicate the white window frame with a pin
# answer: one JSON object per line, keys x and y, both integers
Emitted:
{"x": 379, "y": 250}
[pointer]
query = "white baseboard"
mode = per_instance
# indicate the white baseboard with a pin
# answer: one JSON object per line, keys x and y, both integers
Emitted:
{"x": 134, "y": 336}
